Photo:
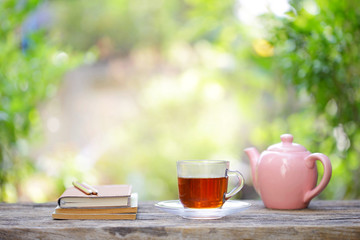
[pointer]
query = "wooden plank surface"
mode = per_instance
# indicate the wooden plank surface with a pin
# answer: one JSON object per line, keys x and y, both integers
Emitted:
{"x": 322, "y": 220}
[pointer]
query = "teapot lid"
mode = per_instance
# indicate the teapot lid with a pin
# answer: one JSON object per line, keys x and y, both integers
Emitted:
{"x": 287, "y": 145}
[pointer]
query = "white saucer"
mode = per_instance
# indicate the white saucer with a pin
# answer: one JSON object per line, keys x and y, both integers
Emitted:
{"x": 229, "y": 207}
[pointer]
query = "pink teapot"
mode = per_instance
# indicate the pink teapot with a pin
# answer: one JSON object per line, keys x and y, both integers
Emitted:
{"x": 285, "y": 175}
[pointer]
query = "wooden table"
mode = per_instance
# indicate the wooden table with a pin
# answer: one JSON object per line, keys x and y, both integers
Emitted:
{"x": 322, "y": 220}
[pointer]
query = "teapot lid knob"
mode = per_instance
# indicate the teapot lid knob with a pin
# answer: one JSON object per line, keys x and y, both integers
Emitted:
{"x": 287, "y": 138}
{"x": 287, "y": 145}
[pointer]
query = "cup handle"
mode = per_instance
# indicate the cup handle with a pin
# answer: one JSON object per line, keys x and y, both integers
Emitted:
{"x": 238, "y": 187}
{"x": 310, "y": 163}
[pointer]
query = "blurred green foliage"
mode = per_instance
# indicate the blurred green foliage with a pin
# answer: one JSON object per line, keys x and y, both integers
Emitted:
{"x": 226, "y": 88}
{"x": 199, "y": 110}
{"x": 124, "y": 25}
{"x": 317, "y": 52}
{"x": 30, "y": 69}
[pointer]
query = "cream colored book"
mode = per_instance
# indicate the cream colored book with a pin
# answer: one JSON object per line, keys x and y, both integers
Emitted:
{"x": 108, "y": 210}
{"x": 99, "y": 213}
{"x": 108, "y": 196}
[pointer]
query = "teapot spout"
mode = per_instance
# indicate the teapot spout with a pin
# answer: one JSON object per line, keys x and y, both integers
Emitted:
{"x": 253, "y": 155}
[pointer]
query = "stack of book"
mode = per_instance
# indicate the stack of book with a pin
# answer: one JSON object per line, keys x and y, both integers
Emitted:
{"x": 109, "y": 202}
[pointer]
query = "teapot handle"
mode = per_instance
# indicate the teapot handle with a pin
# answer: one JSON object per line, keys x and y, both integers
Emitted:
{"x": 310, "y": 163}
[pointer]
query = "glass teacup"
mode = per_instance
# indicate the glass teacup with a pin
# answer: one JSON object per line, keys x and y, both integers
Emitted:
{"x": 203, "y": 183}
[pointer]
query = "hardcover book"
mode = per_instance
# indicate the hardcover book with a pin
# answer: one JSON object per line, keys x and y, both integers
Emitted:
{"x": 99, "y": 213}
{"x": 108, "y": 196}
